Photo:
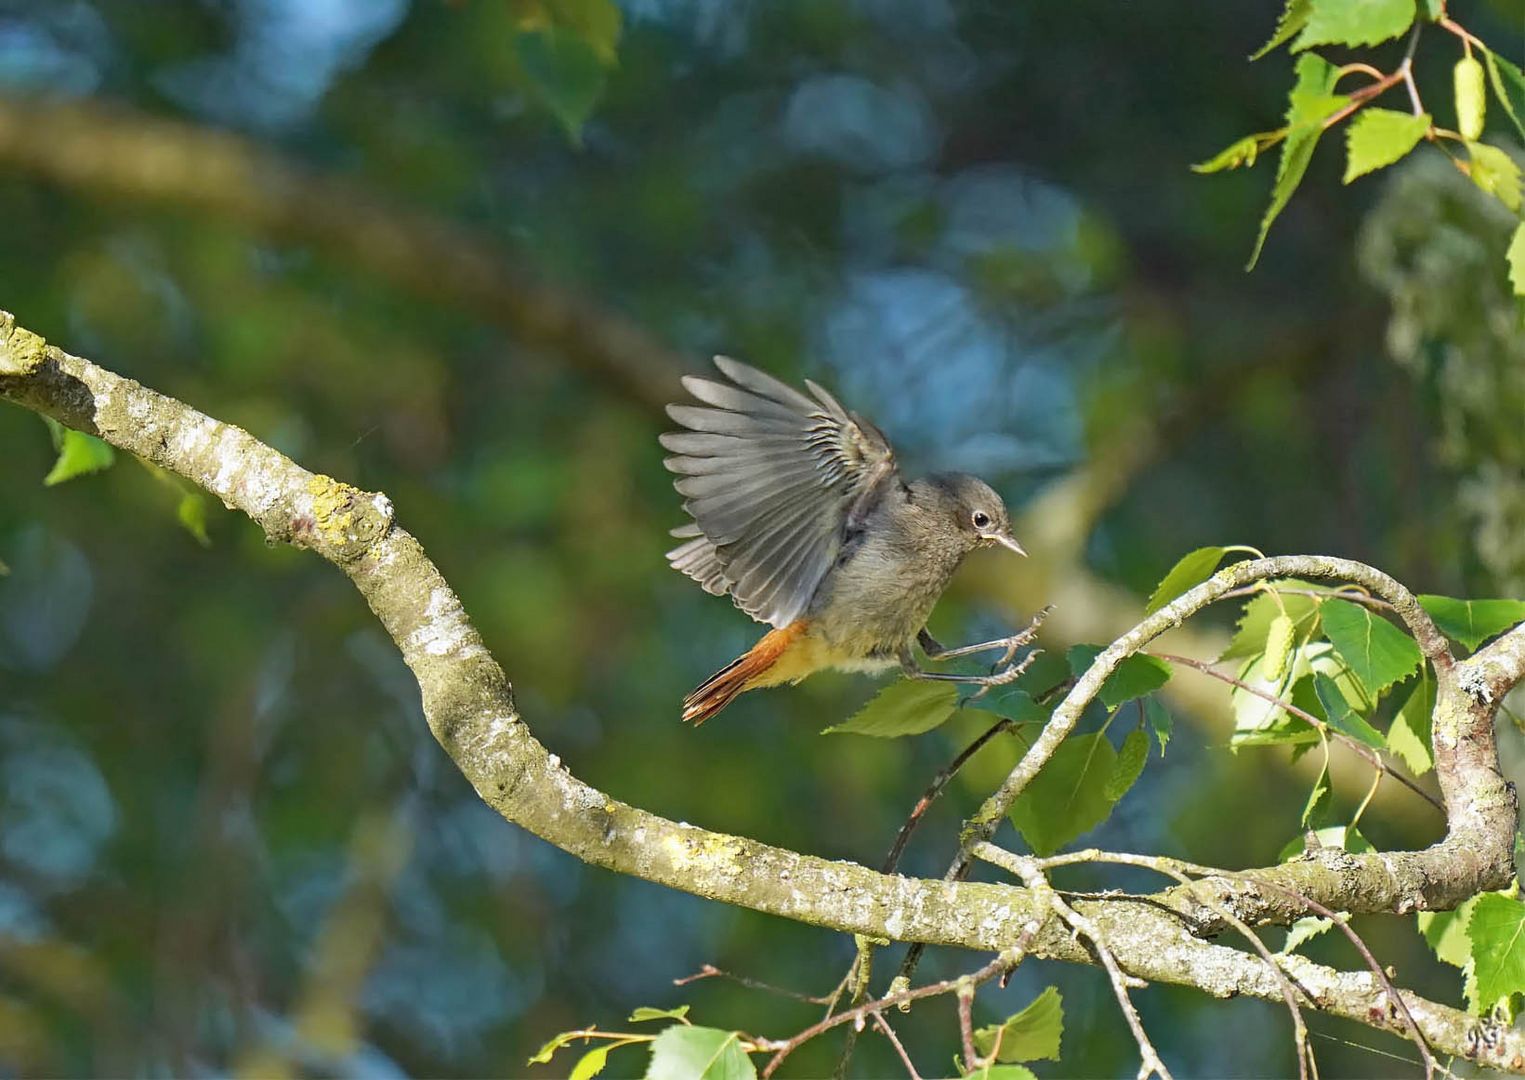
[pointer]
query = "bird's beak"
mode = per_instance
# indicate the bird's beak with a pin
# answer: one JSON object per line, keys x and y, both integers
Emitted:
{"x": 1006, "y": 540}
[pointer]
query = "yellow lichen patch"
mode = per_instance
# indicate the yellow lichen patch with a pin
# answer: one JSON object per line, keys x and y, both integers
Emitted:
{"x": 333, "y": 508}
{"x": 20, "y": 349}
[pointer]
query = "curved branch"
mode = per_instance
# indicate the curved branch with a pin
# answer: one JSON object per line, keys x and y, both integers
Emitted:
{"x": 470, "y": 710}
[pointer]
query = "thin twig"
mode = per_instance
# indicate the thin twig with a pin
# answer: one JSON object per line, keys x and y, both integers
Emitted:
{"x": 1359, "y": 747}
{"x": 934, "y": 789}
{"x": 889, "y": 1033}
{"x": 710, "y": 971}
{"x": 966, "y": 1027}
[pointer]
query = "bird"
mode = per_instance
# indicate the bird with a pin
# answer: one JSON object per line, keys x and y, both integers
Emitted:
{"x": 800, "y": 514}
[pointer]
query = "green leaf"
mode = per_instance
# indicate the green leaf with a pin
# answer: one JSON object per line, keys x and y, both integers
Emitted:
{"x": 1305, "y": 929}
{"x": 1001, "y": 1072}
{"x": 591, "y": 1064}
{"x": 1340, "y": 837}
{"x": 1240, "y": 152}
{"x": 1311, "y": 102}
{"x": 1516, "y": 257}
{"x": 1508, "y": 86}
{"x": 191, "y": 512}
{"x": 1069, "y": 796}
{"x": 1354, "y": 22}
{"x": 1129, "y": 764}
{"x": 1293, "y": 18}
{"x": 1377, "y": 651}
{"x": 555, "y": 1043}
{"x": 904, "y": 707}
{"x": 1159, "y": 720}
{"x": 1019, "y": 707}
{"x": 1379, "y": 137}
{"x": 1318, "y": 811}
{"x": 699, "y": 1053}
{"x": 1341, "y": 716}
{"x": 1496, "y": 173}
{"x": 1409, "y": 735}
{"x": 565, "y": 72}
{"x": 646, "y": 1012}
{"x": 1191, "y": 570}
{"x": 1446, "y": 933}
{"x": 1497, "y": 929}
{"x": 1258, "y": 722}
{"x": 1472, "y": 622}
{"x": 78, "y": 454}
{"x": 1134, "y": 677}
{"x": 1262, "y": 610}
{"x": 1033, "y": 1034}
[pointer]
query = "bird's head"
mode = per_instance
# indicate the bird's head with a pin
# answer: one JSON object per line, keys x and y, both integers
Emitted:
{"x": 977, "y": 512}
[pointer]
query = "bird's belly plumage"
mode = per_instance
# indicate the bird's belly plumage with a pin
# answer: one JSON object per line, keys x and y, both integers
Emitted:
{"x": 875, "y": 602}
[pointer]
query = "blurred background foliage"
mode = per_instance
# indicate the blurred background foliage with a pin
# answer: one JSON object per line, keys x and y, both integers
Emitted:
{"x": 227, "y": 840}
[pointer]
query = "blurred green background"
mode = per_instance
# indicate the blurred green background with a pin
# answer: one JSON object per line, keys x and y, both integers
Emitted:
{"x": 227, "y": 840}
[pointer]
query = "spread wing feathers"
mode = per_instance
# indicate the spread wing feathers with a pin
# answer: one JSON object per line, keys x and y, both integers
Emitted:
{"x": 774, "y": 480}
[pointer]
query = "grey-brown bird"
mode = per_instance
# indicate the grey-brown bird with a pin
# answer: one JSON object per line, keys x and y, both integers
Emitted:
{"x": 801, "y": 516}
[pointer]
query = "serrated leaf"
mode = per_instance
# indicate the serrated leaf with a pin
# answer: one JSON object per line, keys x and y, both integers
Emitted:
{"x": 1495, "y": 172}
{"x": 1379, "y": 137}
{"x": 1516, "y": 258}
{"x": 1508, "y": 86}
{"x": 1033, "y": 1034}
{"x": 1354, "y": 22}
{"x": 1241, "y": 152}
{"x": 1129, "y": 764}
{"x": 699, "y": 1053}
{"x": 591, "y": 1064}
{"x": 1377, "y": 651}
{"x": 1311, "y": 102}
{"x": 1293, "y": 18}
{"x": 78, "y": 454}
{"x": 1260, "y": 611}
{"x": 1472, "y": 622}
{"x": 1159, "y": 720}
{"x": 1190, "y": 570}
{"x": 1497, "y": 930}
{"x": 646, "y": 1012}
{"x": 1409, "y": 735}
{"x": 1342, "y": 717}
{"x": 565, "y": 72}
{"x": 1446, "y": 933}
{"x": 1303, "y": 930}
{"x": 1068, "y": 797}
{"x": 904, "y": 707}
{"x": 1135, "y": 676}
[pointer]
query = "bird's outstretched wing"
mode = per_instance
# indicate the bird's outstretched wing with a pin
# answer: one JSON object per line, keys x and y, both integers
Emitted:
{"x": 774, "y": 481}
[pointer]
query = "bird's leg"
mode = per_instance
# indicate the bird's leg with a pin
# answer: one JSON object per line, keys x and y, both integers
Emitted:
{"x": 935, "y": 650}
{"x": 1008, "y": 673}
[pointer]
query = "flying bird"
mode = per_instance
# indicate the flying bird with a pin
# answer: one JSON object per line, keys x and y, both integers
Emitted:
{"x": 802, "y": 517}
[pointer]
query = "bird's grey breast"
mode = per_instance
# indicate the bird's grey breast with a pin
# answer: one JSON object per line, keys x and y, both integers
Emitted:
{"x": 886, "y": 580}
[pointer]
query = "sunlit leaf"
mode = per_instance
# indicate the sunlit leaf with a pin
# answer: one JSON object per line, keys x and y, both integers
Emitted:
{"x": 1472, "y": 622}
{"x": 1377, "y": 138}
{"x": 1190, "y": 570}
{"x": 699, "y": 1053}
{"x": 1303, "y": 930}
{"x": 1446, "y": 933}
{"x": 1377, "y": 651}
{"x": 1409, "y": 735}
{"x": 1497, "y": 930}
{"x": 1508, "y": 86}
{"x": 1318, "y": 809}
{"x": 1068, "y": 797}
{"x": 1293, "y": 18}
{"x": 904, "y": 707}
{"x": 1001, "y": 1072}
{"x": 591, "y": 1064}
{"x": 78, "y": 454}
{"x": 1241, "y": 152}
{"x": 555, "y": 1043}
{"x": 1495, "y": 172}
{"x": 1134, "y": 677}
{"x": 1033, "y": 1034}
{"x": 1129, "y": 765}
{"x": 1339, "y": 837}
{"x": 1516, "y": 258}
{"x": 646, "y": 1012}
{"x": 1354, "y": 22}
{"x": 1311, "y": 102}
{"x": 1250, "y": 639}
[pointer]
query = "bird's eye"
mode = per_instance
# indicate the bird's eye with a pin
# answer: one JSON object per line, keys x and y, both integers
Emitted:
{"x": 981, "y": 519}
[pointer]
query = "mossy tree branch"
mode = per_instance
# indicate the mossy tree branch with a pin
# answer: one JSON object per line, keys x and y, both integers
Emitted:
{"x": 470, "y": 709}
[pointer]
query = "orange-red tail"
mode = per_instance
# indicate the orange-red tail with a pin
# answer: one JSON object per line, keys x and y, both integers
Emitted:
{"x": 741, "y": 674}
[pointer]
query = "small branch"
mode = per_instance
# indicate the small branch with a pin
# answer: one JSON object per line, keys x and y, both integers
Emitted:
{"x": 934, "y": 789}
{"x": 710, "y": 971}
{"x": 889, "y": 1033}
{"x": 1371, "y": 756}
{"x": 966, "y": 1026}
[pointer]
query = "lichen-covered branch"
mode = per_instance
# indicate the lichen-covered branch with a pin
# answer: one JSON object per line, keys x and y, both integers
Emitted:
{"x": 470, "y": 709}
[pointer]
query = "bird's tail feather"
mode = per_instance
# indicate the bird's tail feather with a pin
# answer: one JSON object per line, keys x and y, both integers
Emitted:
{"x": 741, "y": 674}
